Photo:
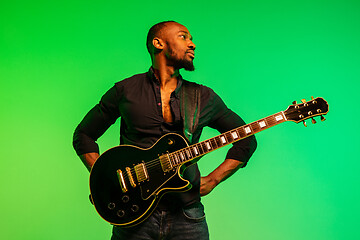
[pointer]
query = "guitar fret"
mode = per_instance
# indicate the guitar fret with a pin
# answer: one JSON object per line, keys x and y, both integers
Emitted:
{"x": 198, "y": 147}
{"x": 234, "y": 135}
{"x": 228, "y": 137}
{"x": 247, "y": 130}
{"x": 188, "y": 154}
{"x": 170, "y": 158}
{"x": 192, "y": 153}
{"x": 213, "y": 143}
{"x": 196, "y": 151}
{"x": 177, "y": 158}
{"x": 279, "y": 117}
{"x": 241, "y": 132}
{"x": 223, "y": 139}
{"x": 182, "y": 156}
{"x": 208, "y": 146}
{"x": 205, "y": 147}
{"x": 218, "y": 141}
{"x": 202, "y": 148}
{"x": 255, "y": 127}
{"x": 262, "y": 123}
{"x": 172, "y": 161}
{"x": 268, "y": 120}
{"x": 272, "y": 120}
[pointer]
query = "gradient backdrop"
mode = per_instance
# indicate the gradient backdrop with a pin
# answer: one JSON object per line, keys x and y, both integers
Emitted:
{"x": 58, "y": 58}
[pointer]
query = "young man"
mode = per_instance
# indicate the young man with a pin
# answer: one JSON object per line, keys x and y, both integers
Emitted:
{"x": 149, "y": 105}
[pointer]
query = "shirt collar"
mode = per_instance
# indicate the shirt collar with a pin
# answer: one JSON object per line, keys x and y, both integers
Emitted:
{"x": 154, "y": 79}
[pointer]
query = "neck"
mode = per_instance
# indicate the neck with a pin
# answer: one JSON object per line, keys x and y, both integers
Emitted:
{"x": 167, "y": 74}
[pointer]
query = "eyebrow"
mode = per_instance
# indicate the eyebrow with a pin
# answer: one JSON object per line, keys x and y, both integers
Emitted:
{"x": 188, "y": 34}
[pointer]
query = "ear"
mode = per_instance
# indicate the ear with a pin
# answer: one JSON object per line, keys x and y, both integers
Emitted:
{"x": 158, "y": 43}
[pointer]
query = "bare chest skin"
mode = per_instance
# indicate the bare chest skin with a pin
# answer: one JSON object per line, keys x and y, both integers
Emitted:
{"x": 166, "y": 110}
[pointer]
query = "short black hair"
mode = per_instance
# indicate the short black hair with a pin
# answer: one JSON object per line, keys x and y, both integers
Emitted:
{"x": 154, "y": 32}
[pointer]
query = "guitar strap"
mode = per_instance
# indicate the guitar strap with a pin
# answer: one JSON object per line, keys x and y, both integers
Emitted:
{"x": 190, "y": 107}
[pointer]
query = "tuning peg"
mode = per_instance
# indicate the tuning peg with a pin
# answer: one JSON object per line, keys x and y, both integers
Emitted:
{"x": 294, "y": 102}
{"x": 304, "y": 123}
{"x": 322, "y": 118}
{"x": 313, "y": 100}
{"x": 313, "y": 120}
{"x": 303, "y": 100}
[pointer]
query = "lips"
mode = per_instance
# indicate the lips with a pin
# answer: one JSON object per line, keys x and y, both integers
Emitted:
{"x": 191, "y": 54}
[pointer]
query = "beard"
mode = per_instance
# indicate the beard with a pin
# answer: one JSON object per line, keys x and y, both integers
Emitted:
{"x": 188, "y": 65}
{"x": 179, "y": 63}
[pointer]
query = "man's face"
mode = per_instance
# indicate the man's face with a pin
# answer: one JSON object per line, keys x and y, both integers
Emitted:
{"x": 179, "y": 48}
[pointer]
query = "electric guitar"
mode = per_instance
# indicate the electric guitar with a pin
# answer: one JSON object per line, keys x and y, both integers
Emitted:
{"x": 127, "y": 182}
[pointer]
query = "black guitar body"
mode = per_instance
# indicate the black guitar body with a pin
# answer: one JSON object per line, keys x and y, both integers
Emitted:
{"x": 125, "y": 201}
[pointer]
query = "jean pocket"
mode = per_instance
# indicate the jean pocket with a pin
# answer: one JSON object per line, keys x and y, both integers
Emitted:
{"x": 194, "y": 213}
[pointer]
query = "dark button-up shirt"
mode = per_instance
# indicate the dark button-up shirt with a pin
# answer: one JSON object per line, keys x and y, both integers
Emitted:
{"x": 137, "y": 100}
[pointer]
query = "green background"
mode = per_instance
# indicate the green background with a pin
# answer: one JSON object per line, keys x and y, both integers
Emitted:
{"x": 58, "y": 58}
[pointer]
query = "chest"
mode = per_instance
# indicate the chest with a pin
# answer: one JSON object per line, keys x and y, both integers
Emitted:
{"x": 144, "y": 109}
{"x": 166, "y": 106}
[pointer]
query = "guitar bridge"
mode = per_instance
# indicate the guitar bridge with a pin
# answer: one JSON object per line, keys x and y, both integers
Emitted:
{"x": 141, "y": 172}
{"x": 121, "y": 181}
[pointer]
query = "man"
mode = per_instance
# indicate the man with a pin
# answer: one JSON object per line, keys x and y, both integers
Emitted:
{"x": 149, "y": 105}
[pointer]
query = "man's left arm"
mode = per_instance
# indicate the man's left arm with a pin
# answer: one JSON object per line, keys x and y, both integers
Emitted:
{"x": 221, "y": 173}
{"x": 238, "y": 155}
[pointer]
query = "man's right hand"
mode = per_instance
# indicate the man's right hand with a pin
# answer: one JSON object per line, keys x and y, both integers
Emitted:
{"x": 89, "y": 159}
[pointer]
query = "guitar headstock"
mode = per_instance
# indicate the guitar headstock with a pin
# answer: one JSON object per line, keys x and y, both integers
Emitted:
{"x": 305, "y": 110}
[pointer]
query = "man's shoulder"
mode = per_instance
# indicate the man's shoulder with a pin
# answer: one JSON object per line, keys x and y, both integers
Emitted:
{"x": 197, "y": 85}
{"x": 135, "y": 79}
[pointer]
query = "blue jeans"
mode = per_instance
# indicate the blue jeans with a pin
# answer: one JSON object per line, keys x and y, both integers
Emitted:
{"x": 182, "y": 224}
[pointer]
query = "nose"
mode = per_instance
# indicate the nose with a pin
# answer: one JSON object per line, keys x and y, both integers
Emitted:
{"x": 192, "y": 45}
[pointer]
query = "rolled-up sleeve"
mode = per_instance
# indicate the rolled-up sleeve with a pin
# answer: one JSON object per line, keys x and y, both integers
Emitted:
{"x": 96, "y": 122}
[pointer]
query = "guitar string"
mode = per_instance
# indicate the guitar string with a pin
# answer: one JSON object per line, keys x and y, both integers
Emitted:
{"x": 186, "y": 152}
{"x": 157, "y": 162}
{"x": 271, "y": 121}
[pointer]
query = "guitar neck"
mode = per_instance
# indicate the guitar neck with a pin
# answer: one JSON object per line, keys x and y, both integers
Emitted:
{"x": 199, "y": 149}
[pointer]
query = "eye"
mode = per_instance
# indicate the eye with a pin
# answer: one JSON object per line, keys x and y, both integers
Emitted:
{"x": 183, "y": 36}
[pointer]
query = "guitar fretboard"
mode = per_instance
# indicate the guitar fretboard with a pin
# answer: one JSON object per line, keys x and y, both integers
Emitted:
{"x": 199, "y": 149}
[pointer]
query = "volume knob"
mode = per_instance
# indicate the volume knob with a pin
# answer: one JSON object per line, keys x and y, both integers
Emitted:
{"x": 120, "y": 213}
{"x": 125, "y": 198}
{"x": 135, "y": 208}
{"x": 111, "y": 206}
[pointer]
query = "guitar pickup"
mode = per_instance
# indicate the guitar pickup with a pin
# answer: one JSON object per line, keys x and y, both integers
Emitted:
{"x": 141, "y": 172}
{"x": 166, "y": 164}
{"x": 121, "y": 181}
{"x": 131, "y": 179}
